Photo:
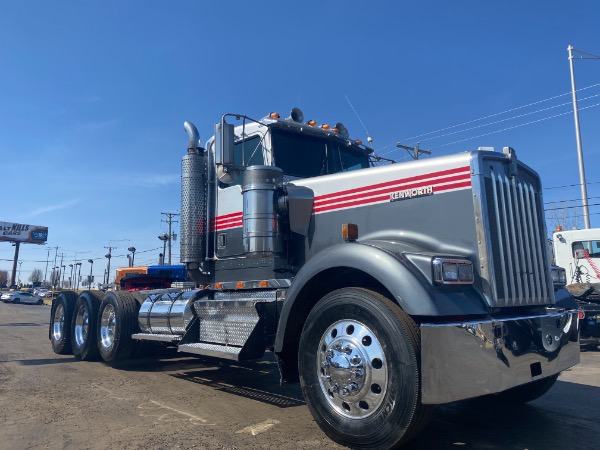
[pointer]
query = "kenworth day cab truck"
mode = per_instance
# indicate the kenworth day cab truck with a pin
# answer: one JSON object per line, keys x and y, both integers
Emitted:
{"x": 578, "y": 251}
{"x": 382, "y": 290}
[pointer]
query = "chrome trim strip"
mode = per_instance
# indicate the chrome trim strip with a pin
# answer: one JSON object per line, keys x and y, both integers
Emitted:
{"x": 254, "y": 284}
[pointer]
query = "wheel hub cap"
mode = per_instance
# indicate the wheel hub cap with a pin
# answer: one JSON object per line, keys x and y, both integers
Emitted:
{"x": 82, "y": 322}
{"x": 352, "y": 369}
{"x": 108, "y": 324}
{"x": 59, "y": 322}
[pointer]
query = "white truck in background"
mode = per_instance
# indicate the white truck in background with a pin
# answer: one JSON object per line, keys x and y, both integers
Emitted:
{"x": 578, "y": 251}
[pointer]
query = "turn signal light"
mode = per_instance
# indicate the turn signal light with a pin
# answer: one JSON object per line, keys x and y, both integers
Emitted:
{"x": 350, "y": 231}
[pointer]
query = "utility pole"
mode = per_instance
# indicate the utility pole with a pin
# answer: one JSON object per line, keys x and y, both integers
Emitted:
{"x": 62, "y": 255}
{"x": 170, "y": 221}
{"x": 416, "y": 151}
{"x": 584, "y": 197}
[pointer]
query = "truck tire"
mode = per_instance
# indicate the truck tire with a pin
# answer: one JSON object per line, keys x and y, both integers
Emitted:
{"x": 117, "y": 321}
{"x": 359, "y": 368}
{"x": 526, "y": 392}
{"x": 85, "y": 320}
{"x": 61, "y": 316}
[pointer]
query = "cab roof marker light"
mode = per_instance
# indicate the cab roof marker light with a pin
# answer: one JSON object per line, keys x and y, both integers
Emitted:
{"x": 274, "y": 115}
{"x": 311, "y": 123}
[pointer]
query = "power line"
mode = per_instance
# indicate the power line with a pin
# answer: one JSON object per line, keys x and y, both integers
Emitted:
{"x": 500, "y": 113}
{"x": 572, "y": 185}
{"x": 569, "y": 200}
{"x": 569, "y": 207}
{"x": 515, "y": 126}
{"x": 508, "y": 118}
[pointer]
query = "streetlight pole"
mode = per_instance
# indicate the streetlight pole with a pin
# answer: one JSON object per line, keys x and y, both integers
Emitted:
{"x": 108, "y": 256}
{"x": 584, "y": 196}
{"x": 132, "y": 250}
{"x": 164, "y": 237}
{"x": 62, "y": 285}
{"x": 91, "y": 261}
{"x": 78, "y": 274}
{"x": 71, "y": 277}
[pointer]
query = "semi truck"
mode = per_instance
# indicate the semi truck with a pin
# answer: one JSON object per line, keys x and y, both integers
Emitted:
{"x": 383, "y": 289}
{"x": 578, "y": 251}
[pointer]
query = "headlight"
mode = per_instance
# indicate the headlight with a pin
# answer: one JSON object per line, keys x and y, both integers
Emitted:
{"x": 559, "y": 276}
{"x": 452, "y": 271}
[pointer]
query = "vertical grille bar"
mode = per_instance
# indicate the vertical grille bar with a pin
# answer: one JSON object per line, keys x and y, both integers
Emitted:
{"x": 516, "y": 239}
{"x": 499, "y": 227}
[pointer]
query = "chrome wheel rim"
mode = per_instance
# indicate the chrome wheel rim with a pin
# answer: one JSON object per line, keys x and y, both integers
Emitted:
{"x": 108, "y": 324}
{"x": 58, "y": 325}
{"x": 352, "y": 369}
{"x": 82, "y": 324}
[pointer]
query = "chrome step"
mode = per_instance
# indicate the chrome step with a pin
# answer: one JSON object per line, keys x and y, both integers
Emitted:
{"x": 219, "y": 351}
{"x": 156, "y": 337}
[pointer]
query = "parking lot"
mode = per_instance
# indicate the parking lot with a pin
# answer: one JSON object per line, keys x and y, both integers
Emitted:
{"x": 170, "y": 401}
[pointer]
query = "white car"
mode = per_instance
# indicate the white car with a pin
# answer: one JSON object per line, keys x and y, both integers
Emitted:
{"x": 21, "y": 297}
{"x": 42, "y": 292}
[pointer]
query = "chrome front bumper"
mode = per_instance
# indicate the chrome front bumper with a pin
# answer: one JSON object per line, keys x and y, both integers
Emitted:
{"x": 469, "y": 359}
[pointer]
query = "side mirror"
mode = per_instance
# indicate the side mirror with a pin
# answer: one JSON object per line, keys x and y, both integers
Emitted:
{"x": 224, "y": 141}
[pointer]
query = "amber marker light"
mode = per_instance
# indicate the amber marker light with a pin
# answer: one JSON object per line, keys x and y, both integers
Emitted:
{"x": 311, "y": 123}
{"x": 240, "y": 285}
{"x": 358, "y": 142}
{"x": 349, "y": 231}
{"x": 325, "y": 126}
{"x": 335, "y": 130}
{"x": 274, "y": 115}
{"x": 263, "y": 284}
{"x": 218, "y": 285}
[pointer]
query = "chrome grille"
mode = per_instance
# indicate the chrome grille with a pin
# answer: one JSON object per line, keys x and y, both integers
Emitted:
{"x": 520, "y": 274}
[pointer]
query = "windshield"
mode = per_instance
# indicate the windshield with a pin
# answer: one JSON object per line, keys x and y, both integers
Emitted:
{"x": 305, "y": 156}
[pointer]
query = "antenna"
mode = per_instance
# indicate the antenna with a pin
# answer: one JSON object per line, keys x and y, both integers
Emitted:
{"x": 369, "y": 138}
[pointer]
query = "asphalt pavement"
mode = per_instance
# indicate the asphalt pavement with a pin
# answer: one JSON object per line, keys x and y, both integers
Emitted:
{"x": 174, "y": 401}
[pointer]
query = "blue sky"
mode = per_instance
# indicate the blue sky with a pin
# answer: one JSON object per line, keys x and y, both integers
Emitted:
{"x": 93, "y": 96}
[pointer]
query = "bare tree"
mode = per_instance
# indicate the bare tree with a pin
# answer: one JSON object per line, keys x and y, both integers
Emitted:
{"x": 36, "y": 276}
{"x": 565, "y": 214}
{"x": 55, "y": 278}
{"x": 3, "y": 278}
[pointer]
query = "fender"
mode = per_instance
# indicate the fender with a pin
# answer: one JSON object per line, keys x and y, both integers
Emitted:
{"x": 406, "y": 284}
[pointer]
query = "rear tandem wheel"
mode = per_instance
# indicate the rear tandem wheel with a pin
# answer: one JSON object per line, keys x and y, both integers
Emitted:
{"x": 61, "y": 317}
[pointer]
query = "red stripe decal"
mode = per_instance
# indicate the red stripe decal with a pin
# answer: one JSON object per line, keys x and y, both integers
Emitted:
{"x": 444, "y": 180}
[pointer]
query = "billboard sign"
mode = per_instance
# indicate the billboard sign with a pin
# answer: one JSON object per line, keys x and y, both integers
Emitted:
{"x": 19, "y": 232}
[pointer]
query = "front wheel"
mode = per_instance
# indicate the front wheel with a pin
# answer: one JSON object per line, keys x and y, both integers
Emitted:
{"x": 17, "y": 300}
{"x": 359, "y": 370}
